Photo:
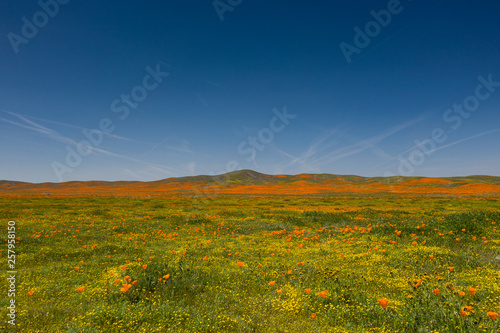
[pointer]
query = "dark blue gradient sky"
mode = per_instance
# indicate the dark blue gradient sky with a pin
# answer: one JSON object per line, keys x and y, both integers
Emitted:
{"x": 267, "y": 88}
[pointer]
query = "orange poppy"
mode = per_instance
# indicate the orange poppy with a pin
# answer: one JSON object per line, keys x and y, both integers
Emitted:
{"x": 166, "y": 276}
{"x": 461, "y": 293}
{"x": 313, "y": 315}
{"x": 134, "y": 283}
{"x": 80, "y": 289}
{"x": 322, "y": 293}
{"x": 472, "y": 290}
{"x": 271, "y": 283}
{"x": 383, "y": 302}
{"x": 279, "y": 291}
{"x": 436, "y": 292}
{"x": 307, "y": 290}
{"x": 290, "y": 272}
{"x": 144, "y": 266}
{"x": 450, "y": 268}
{"x": 463, "y": 313}
{"x": 30, "y": 292}
{"x": 240, "y": 264}
{"x": 492, "y": 315}
{"x": 123, "y": 268}
{"x": 77, "y": 268}
{"x": 126, "y": 287}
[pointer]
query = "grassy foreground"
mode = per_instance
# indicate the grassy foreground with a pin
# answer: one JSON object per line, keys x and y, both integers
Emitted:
{"x": 338, "y": 264}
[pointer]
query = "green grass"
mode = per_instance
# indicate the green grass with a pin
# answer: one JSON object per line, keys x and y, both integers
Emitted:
{"x": 348, "y": 246}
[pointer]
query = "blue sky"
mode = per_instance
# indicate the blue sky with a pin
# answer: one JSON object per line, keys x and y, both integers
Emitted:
{"x": 167, "y": 89}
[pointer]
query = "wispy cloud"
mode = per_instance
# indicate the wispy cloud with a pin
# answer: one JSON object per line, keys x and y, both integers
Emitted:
{"x": 54, "y": 135}
{"x": 451, "y": 144}
{"x": 320, "y": 152}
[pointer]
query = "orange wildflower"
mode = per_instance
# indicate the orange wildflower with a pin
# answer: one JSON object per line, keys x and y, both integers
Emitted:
{"x": 240, "y": 264}
{"x": 144, "y": 266}
{"x": 461, "y": 293}
{"x": 80, "y": 289}
{"x": 307, "y": 290}
{"x": 126, "y": 287}
{"x": 166, "y": 276}
{"x": 30, "y": 292}
{"x": 313, "y": 315}
{"x": 492, "y": 315}
{"x": 450, "y": 268}
{"x": 322, "y": 293}
{"x": 279, "y": 291}
{"x": 436, "y": 292}
{"x": 271, "y": 283}
{"x": 383, "y": 302}
{"x": 472, "y": 290}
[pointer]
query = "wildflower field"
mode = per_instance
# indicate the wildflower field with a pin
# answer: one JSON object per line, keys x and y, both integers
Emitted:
{"x": 358, "y": 263}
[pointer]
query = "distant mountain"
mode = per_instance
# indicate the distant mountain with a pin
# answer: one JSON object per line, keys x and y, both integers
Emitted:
{"x": 248, "y": 182}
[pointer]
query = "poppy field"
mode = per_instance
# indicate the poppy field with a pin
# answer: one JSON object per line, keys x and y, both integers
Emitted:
{"x": 357, "y": 263}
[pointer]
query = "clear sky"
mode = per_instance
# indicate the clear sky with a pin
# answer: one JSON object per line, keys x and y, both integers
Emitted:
{"x": 146, "y": 90}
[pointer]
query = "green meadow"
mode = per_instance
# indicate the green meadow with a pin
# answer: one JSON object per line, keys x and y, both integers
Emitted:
{"x": 254, "y": 264}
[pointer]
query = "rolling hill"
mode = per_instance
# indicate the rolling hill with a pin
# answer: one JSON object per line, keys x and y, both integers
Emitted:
{"x": 248, "y": 182}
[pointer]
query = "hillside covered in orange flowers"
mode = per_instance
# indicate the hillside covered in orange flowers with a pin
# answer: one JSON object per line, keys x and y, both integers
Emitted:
{"x": 251, "y": 183}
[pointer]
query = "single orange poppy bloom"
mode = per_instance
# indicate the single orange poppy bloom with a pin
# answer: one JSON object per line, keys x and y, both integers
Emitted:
{"x": 450, "y": 268}
{"x": 271, "y": 283}
{"x": 307, "y": 290}
{"x": 313, "y": 315}
{"x": 144, "y": 266}
{"x": 126, "y": 287}
{"x": 166, "y": 276}
{"x": 322, "y": 293}
{"x": 436, "y": 292}
{"x": 383, "y": 302}
{"x": 279, "y": 291}
{"x": 123, "y": 268}
{"x": 206, "y": 258}
{"x": 461, "y": 293}
{"x": 77, "y": 268}
{"x": 472, "y": 290}
{"x": 240, "y": 264}
{"x": 468, "y": 308}
{"x": 80, "y": 289}
{"x": 492, "y": 315}
{"x": 134, "y": 283}
{"x": 30, "y": 292}
{"x": 463, "y": 313}
{"x": 290, "y": 272}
